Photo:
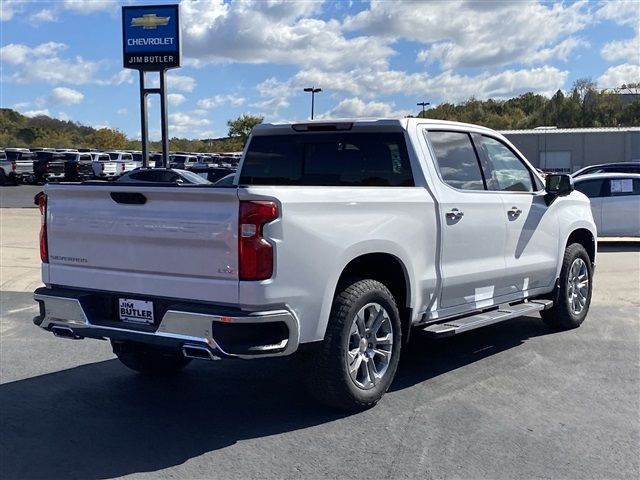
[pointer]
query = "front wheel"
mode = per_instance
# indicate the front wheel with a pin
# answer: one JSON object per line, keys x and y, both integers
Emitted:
{"x": 355, "y": 365}
{"x": 573, "y": 293}
{"x": 148, "y": 360}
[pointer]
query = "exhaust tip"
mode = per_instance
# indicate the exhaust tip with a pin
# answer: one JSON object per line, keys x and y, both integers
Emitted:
{"x": 198, "y": 352}
{"x": 65, "y": 332}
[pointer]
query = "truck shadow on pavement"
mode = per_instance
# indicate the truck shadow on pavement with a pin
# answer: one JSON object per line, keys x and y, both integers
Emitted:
{"x": 101, "y": 421}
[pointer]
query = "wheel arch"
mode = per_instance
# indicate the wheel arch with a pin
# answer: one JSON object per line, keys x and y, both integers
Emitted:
{"x": 585, "y": 238}
{"x": 391, "y": 272}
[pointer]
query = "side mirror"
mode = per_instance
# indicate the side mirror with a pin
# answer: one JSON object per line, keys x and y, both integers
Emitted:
{"x": 558, "y": 184}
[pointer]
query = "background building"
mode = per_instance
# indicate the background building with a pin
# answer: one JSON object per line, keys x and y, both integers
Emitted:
{"x": 567, "y": 150}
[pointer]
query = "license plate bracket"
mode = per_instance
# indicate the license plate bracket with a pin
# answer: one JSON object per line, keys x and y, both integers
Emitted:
{"x": 135, "y": 311}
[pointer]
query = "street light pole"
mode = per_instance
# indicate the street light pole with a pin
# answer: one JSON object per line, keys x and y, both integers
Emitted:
{"x": 423, "y": 104}
{"x": 313, "y": 91}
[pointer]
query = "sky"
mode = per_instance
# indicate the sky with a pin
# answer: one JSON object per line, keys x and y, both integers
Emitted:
{"x": 371, "y": 58}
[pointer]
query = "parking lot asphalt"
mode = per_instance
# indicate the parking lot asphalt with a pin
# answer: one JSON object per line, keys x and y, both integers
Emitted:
{"x": 513, "y": 400}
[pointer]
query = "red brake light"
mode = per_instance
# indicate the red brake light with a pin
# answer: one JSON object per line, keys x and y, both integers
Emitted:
{"x": 255, "y": 253}
{"x": 44, "y": 247}
{"x": 13, "y": 166}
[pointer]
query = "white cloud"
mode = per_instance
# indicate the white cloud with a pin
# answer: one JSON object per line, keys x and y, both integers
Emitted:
{"x": 123, "y": 76}
{"x": 628, "y": 49}
{"x": 122, "y": 111}
{"x": 43, "y": 16}
{"x": 218, "y": 100}
{"x": 9, "y": 8}
{"x": 477, "y": 34}
{"x": 278, "y": 32}
{"x": 63, "y": 116}
{"x": 621, "y": 12}
{"x": 183, "y": 124}
{"x": 175, "y": 99}
{"x": 616, "y": 76}
{"x": 182, "y": 83}
{"x": 66, "y": 96}
{"x": 86, "y": 7}
{"x": 50, "y": 67}
{"x": 448, "y": 85}
{"x": 36, "y": 113}
{"x": 357, "y": 108}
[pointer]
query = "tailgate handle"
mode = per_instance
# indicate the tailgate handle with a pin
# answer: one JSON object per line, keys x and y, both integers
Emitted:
{"x": 128, "y": 198}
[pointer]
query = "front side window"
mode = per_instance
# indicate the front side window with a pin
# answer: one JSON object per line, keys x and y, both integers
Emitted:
{"x": 502, "y": 170}
{"x": 457, "y": 160}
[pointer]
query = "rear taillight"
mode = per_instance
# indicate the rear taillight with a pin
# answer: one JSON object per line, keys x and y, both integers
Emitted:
{"x": 77, "y": 167}
{"x": 44, "y": 247}
{"x": 46, "y": 168}
{"x": 102, "y": 167}
{"x": 13, "y": 166}
{"x": 255, "y": 253}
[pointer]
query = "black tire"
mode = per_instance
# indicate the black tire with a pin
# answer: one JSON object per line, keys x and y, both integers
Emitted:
{"x": 148, "y": 360}
{"x": 328, "y": 374}
{"x": 562, "y": 315}
{"x": 3, "y": 177}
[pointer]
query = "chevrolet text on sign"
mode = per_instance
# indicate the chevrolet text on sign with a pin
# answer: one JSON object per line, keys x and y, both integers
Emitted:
{"x": 151, "y": 37}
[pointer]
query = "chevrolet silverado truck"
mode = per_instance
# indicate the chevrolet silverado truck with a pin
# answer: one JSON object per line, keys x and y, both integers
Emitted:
{"x": 335, "y": 240}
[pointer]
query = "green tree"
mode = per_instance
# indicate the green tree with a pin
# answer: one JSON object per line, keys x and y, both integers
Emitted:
{"x": 108, "y": 138}
{"x": 242, "y": 126}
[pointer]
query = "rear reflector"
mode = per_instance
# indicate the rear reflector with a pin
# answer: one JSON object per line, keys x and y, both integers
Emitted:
{"x": 255, "y": 253}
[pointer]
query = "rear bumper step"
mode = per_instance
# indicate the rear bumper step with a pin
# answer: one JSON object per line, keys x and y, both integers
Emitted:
{"x": 197, "y": 335}
{"x": 506, "y": 312}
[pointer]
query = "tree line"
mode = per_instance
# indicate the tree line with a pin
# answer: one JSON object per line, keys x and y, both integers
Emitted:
{"x": 17, "y": 130}
{"x": 583, "y": 106}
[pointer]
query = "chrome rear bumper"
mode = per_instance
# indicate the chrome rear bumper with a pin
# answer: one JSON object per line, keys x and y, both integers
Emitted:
{"x": 176, "y": 329}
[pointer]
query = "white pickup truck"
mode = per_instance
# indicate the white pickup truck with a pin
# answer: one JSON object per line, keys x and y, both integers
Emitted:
{"x": 335, "y": 240}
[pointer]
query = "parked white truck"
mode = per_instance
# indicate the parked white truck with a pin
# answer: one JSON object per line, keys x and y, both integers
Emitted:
{"x": 336, "y": 239}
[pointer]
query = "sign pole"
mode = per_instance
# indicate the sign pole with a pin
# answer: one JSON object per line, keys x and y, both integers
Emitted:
{"x": 144, "y": 136}
{"x": 151, "y": 43}
{"x": 163, "y": 120}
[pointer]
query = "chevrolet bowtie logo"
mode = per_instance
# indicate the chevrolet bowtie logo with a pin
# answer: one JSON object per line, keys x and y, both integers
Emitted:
{"x": 149, "y": 21}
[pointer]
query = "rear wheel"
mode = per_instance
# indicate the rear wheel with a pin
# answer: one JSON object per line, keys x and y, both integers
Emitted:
{"x": 355, "y": 365}
{"x": 572, "y": 297}
{"x": 148, "y": 360}
{"x": 3, "y": 177}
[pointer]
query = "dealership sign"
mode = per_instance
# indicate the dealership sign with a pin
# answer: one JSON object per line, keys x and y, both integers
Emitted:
{"x": 151, "y": 37}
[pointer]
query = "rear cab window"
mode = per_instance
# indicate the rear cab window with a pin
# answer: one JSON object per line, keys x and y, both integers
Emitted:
{"x": 354, "y": 159}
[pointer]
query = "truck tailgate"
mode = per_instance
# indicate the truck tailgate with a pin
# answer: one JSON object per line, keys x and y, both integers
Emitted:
{"x": 153, "y": 240}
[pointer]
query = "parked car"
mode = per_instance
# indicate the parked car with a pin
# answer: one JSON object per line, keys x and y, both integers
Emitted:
{"x": 78, "y": 166}
{"x": 615, "y": 202}
{"x": 620, "y": 167}
{"x": 104, "y": 168}
{"x": 128, "y": 163}
{"x": 162, "y": 175}
{"x": 213, "y": 174}
{"x": 24, "y": 159}
{"x": 338, "y": 240}
{"x": 48, "y": 166}
{"x": 226, "y": 180}
{"x": 185, "y": 162}
{"x": 8, "y": 173}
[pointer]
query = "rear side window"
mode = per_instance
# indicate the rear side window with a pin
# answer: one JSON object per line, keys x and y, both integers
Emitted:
{"x": 328, "y": 159}
{"x": 591, "y": 188}
{"x": 457, "y": 160}
{"x": 620, "y": 187}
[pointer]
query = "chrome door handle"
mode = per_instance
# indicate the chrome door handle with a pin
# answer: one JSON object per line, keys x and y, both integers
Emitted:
{"x": 454, "y": 214}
